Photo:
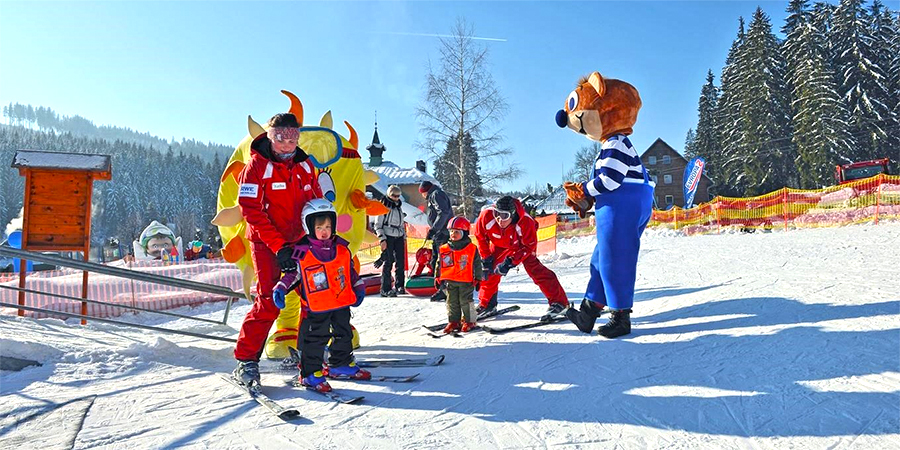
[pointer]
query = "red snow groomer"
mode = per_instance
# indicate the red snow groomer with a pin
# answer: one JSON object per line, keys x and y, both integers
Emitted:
{"x": 846, "y": 173}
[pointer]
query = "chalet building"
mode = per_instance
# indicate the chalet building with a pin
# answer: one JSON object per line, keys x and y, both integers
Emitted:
{"x": 666, "y": 168}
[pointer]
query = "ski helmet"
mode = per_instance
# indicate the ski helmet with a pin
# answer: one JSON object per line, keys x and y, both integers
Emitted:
{"x": 459, "y": 223}
{"x": 315, "y": 208}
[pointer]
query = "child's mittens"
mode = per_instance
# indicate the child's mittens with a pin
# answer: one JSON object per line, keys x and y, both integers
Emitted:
{"x": 576, "y": 199}
{"x": 278, "y": 296}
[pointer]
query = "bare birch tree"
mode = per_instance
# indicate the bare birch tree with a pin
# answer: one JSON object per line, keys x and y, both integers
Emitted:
{"x": 462, "y": 102}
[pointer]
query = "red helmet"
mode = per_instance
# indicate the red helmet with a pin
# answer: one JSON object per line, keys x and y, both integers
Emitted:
{"x": 459, "y": 223}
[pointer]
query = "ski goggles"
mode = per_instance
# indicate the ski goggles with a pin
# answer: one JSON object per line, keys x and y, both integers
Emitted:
{"x": 282, "y": 134}
{"x": 502, "y": 215}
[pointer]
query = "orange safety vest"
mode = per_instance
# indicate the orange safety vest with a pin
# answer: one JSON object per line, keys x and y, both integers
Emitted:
{"x": 456, "y": 265}
{"x": 327, "y": 285}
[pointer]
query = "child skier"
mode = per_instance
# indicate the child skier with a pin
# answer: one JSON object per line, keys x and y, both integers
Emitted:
{"x": 457, "y": 271}
{"x": 328, "y": 285}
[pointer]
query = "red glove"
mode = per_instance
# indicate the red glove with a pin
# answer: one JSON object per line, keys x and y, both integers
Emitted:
{"x": 576, "y": 199}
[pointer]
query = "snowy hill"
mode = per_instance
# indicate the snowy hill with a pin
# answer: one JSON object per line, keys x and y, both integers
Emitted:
{"x": 763, "y": 340}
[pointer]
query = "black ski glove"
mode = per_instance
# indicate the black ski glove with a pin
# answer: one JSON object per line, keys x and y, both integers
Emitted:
{"x": 503, "y": 268}
{"x": 379, "y": 262}
{"x": 487, "y": 267}
{"x": 285, "y": 258}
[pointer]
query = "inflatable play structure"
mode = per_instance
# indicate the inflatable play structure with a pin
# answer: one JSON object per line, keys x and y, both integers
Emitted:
{"x": 343, "y": 180}
{"x": 157, "y": 241}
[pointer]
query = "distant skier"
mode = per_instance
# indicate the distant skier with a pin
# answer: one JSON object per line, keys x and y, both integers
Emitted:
{"x": 507, "y": 237}
{"x": 457, "y": 273}
{"x": 328, "y": 285}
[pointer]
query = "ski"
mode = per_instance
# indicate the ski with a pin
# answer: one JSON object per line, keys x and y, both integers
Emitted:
{"x": 495, "y": 313}
{"x": 255, "y": 392}
{"x": 434, "y": 361}
{"x": 522, "y": 327}
{"x": 440, "y": 335}
{"x": 367, "y": 363}
{"x": 390, "y": 378}
{"x": 333, "y": 394}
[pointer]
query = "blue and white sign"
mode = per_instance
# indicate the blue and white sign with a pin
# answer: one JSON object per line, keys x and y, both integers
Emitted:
{"x": 692, "y": 174}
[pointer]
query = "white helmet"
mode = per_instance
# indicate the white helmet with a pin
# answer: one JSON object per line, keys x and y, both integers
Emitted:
{"x": 315, "y": 208}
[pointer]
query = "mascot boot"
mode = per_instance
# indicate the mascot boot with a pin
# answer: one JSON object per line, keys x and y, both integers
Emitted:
{"x": 585, "y": 317}
{"x": 619, "y": 324}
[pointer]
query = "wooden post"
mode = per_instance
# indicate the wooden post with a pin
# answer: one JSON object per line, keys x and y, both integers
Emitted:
{"x": 880, "y": 179}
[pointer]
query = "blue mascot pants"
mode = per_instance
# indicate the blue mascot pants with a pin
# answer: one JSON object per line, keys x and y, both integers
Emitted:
{"x": 621, "y": 217}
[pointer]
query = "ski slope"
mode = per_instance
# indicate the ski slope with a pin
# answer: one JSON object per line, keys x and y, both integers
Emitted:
{"x": 763, "y": 340}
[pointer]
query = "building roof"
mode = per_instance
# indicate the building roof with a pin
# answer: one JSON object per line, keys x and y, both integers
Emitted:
{"x": 391, "y": 173}
{"x": 36, "y": 159}
{"x": 665, "y": 145}
{"x": 555, "y": 203}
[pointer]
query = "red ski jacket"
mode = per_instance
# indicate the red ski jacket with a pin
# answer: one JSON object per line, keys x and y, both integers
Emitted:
{"x": 273, "y": 193}
{"x": 520, "y": 238}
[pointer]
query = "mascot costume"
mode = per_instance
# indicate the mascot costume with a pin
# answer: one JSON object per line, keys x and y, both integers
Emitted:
{"x": 621, "y": 193}
{"x": 343, "y": 181}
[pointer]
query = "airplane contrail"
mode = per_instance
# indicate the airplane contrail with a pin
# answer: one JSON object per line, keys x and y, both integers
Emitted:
{"x": 400, "y": 33}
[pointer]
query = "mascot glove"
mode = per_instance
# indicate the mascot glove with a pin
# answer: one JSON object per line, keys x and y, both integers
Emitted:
{"x": 285, "y": 258}
{"x": 278, "y": 296}
{"x": 503, "y": 268}
{"x": 576, "y": 199}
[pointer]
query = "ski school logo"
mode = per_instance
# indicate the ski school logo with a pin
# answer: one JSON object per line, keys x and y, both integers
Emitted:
{"x": 692, "y": 174}
{"x": 249, "y": 190}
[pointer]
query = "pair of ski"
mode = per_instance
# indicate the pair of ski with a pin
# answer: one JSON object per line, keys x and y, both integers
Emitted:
{"x": 493, "y": 330}
{"x": 434, "y": 329}
{"x": 290, "y": 414}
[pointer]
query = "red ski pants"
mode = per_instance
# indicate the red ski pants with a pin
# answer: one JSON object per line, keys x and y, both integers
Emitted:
{"x": 262, "y": 315}
{"x": 540, "y": 274}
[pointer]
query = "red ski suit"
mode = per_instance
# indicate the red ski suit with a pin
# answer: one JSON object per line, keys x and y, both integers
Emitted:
{"x": 272, "y": 196}
{"x": 518, "y": 241}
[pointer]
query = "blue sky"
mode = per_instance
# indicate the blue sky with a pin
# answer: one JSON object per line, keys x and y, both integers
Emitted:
{"x": 196, "y": 69}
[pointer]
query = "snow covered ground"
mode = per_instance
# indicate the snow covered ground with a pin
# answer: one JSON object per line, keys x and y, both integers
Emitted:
{"x": 763, "y": 340}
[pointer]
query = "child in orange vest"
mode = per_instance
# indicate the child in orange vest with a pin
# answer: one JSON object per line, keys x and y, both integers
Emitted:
{"x": 328, "y": 286}
{"x": 457, "y": 272}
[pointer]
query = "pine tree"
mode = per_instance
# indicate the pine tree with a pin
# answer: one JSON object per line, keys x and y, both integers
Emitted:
{"x": 728, "y": 116}
{"x": 706, "y": 142}
{"x": 766, "y": 153}
{"x": 689, "y": 140}
{"x": 449, "y": 169}
{"x": 886, "y": 34}
{"x": 821, "y": 132}
{"x": 862, "y": 82}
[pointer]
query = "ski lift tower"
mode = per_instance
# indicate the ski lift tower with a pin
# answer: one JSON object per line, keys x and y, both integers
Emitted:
{"x": 57, "y": 207}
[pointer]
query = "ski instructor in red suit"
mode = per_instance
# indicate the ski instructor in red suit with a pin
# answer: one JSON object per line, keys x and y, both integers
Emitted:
{"x": 274, "y": 186}
{"x": 507, "y": 237}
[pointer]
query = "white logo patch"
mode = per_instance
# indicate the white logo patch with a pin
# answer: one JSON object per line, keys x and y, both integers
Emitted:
{"x": 279, "y": 186}
{"x": 249, "y": 190}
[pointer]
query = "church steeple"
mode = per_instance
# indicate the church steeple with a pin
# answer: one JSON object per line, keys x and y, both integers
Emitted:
{"x": 376, "y": 148}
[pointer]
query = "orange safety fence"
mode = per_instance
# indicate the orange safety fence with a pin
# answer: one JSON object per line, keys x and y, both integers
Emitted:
{"x": 867, "y": 200}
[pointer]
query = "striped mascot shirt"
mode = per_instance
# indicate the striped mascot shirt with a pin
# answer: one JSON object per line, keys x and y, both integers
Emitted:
{"x": 616, "y": 163}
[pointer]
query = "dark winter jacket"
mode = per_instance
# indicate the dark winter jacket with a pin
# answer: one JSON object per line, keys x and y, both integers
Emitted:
{"x": 439, "y": 211}
{"x": 273, "y": 193}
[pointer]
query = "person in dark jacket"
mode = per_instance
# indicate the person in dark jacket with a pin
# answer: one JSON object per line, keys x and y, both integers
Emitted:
{"x": 439, "y": 212}
{"x": 391, "y": 231}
